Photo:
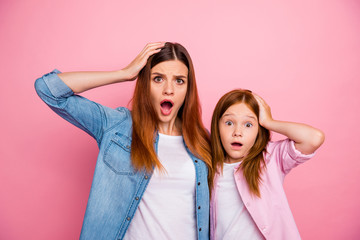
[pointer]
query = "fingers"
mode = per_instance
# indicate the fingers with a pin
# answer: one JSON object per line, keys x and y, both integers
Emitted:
{"x": 139, "y": 62}
{"x": 159, "y": 44}
{"x": 265, "y": 111}
{"x": 260, "y": 100}
{"x": 149, "y": 49}
{"x": 152, "y": 48}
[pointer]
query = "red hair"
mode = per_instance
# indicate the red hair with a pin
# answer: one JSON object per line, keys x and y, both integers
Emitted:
{"x": 253, "y": 163}
{"x": 145, "y": 119}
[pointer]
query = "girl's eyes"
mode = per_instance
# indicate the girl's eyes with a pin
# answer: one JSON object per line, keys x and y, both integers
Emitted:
{"x": 248, "y": 124}
{"x": 229, "y": 123}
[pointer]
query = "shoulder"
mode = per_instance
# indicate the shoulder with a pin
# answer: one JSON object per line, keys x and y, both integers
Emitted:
{"x": 119, "y": 127}
{"x": 118, "y": 118}
{"x": 122, "y": 115}
{"x": 125, "y": 112}
{"x": 119, "y": 114}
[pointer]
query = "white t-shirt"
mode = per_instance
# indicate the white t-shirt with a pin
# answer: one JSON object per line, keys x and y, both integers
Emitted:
{"x": 167, "y": 208}
{"x": 233, "y": 220}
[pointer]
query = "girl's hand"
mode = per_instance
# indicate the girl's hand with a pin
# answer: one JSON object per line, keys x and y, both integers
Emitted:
{"x": 264, "y": 112}
{"x": 307, "y": 139}
{"x": 133, "y": 69}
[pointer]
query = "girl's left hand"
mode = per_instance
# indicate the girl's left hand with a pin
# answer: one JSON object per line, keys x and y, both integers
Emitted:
{"x": 264, "y": 111}
{"x": 307, "y": 139}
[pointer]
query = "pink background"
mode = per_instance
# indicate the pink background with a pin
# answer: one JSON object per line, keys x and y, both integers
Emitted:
{"x": 303, "y": 57}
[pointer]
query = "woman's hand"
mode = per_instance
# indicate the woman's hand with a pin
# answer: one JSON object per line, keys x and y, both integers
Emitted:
{"x": 133, "y": 69}
{"x": 264, "y": 111}
{"x": 83, "y": 81}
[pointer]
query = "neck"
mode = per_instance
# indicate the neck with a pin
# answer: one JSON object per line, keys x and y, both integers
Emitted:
{"x": 170, "y": 128}
{"x": 230, "y": 160}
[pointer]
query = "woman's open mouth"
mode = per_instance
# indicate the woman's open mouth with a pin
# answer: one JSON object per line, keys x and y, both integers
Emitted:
{"x": 166, "y": 107}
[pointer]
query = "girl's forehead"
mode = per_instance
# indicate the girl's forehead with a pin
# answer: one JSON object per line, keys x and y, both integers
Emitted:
{"x": 240, "y": 110}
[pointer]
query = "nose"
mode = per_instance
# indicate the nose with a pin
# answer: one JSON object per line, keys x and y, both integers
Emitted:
{"x": 237, "y": 132}
{"x": 168, "y": 88}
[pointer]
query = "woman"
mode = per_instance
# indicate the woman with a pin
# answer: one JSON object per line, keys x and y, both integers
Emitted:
{"x": 151, "y": 174}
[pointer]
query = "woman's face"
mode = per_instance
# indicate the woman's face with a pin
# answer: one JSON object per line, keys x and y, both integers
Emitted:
{"x": 169, "y": 81}
{"x": 238, "y": 129}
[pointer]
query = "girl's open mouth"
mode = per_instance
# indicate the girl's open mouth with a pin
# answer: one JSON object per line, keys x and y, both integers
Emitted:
{"x": 166, "y": 107}
{"x": 236, "y": 145}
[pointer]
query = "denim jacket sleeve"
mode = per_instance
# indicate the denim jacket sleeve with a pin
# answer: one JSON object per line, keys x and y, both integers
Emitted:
{"x": 89, "y": 116}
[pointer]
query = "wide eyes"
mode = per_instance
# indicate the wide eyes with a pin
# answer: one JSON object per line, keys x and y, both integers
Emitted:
{"x": 248, "y": 124}
{"x": 230, "y": 123}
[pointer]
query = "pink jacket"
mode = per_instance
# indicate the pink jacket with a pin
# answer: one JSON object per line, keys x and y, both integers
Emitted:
{"x": 271, "y": 212}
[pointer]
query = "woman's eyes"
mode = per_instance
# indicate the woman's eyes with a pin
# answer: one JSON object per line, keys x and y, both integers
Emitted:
{"x": 180, "y": 81}
{"x": 157, "y": 79}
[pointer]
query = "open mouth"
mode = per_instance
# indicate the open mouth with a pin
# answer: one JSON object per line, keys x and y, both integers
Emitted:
{"x": 236, "y": 144}
{"x": 166, "y": 106}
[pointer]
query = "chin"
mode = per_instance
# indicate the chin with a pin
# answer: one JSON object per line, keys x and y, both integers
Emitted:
{"x": 165, "y": 119}
{"x": 237, "y": 158}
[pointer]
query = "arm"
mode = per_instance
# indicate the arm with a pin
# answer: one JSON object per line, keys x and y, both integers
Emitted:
{"x": 57, "y": 91}
{"x": 82, "y": 81}
{"x": 307, "y": 139}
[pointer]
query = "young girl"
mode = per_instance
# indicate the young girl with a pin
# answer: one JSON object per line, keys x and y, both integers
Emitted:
{"x": 151, "y": 176}
{"x": 248, "y": 200}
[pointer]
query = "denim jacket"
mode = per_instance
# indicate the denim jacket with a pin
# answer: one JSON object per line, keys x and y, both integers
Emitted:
{"x": 117, "y": 188}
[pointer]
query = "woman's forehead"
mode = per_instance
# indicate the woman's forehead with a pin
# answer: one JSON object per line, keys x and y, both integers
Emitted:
{"x": 174, "y": 67}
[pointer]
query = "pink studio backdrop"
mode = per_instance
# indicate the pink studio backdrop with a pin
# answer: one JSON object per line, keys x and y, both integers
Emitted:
{"x": 303, "y": 57}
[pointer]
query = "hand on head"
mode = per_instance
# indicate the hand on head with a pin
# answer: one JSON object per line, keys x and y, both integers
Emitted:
{"x": 264, "y": 111}
{"x": 139, "y": 62}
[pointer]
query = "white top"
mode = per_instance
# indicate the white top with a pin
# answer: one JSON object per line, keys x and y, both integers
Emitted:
{"x": 233, "y": 220}
{"x": 167, "y": 208}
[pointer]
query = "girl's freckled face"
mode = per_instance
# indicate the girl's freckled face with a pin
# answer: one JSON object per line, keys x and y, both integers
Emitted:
{"x": 238, "y": 129}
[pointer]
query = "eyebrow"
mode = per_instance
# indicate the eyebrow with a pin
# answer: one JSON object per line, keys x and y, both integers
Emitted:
{"x": 231, "y": 114}
{"x": 160, "y": 74}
